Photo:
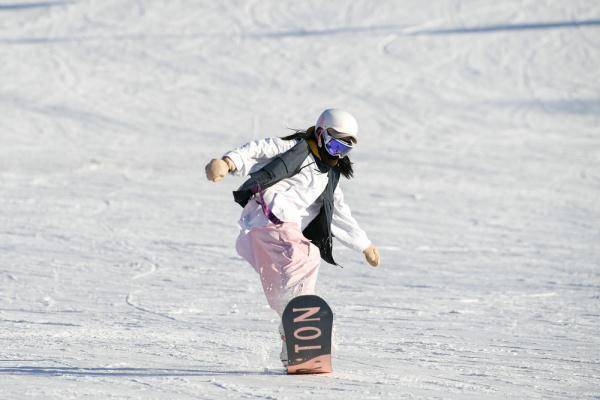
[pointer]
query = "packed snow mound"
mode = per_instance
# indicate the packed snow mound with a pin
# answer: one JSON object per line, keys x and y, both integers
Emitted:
{"x": 477, "y": 175}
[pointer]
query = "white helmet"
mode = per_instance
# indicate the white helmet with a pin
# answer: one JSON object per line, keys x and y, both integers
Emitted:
{"x": 341, "y": 121}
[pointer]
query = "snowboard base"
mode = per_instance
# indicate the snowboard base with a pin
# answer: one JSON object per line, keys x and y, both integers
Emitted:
{"x": 307, "y": 323}
{"x": 317, "y": 365}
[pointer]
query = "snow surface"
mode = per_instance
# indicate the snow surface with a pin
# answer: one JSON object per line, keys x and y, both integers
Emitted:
{"x": 478, "y": 175}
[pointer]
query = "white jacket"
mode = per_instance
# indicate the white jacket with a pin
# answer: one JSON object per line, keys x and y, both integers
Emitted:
{"x": 294, "y": 199}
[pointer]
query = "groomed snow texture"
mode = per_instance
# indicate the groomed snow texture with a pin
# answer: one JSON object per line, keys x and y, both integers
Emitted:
{"x": 477, "y": 175}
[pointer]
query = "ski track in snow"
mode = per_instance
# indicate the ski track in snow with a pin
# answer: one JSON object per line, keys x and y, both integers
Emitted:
{"x": 118, "y": 273}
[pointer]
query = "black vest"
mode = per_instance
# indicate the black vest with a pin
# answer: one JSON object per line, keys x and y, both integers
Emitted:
{"x": 284, "y": 166}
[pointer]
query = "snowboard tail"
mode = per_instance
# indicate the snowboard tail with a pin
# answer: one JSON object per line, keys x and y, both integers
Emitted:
{"x": 307, "y": 323}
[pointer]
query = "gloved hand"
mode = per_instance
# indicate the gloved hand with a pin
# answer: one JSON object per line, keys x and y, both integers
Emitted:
{"x": 217, "y": 169}
{"x": 372, "y": 255}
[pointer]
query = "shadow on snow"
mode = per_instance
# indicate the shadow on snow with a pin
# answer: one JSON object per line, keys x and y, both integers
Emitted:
{"x": 509, "y": 27}
{"x": 26, "y": 6}
{"x": 136, "y": 372}
{"x": 302, "y": 33}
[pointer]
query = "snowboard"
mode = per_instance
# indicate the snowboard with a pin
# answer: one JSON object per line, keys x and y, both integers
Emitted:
{"x": 307, "y": 323}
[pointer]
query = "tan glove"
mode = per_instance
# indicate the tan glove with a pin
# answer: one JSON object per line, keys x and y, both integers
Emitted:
{"x": 217, "y": 169}
{"x": 372, "y": 255}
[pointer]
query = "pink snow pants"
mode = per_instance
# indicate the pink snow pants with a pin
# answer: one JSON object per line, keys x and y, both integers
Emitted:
{"x": 287, "y": 262}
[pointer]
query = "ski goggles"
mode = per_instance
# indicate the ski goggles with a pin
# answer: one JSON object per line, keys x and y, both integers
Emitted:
{"x": 336, "y": 147}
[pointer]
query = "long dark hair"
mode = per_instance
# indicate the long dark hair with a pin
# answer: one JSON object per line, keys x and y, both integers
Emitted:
{"x": 344, "y": 164}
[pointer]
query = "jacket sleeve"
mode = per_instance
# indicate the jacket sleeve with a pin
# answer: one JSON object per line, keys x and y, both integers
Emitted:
{"x": 343, "y": 225}
{"x": 254, "y": 155}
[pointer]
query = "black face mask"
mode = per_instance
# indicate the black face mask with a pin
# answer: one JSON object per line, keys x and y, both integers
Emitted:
{"x": 344, "y": 165}
{"x": 325, "y": 154}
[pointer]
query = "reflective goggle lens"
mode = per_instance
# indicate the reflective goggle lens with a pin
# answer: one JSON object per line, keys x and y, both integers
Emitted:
{"x": 336, "y": 147}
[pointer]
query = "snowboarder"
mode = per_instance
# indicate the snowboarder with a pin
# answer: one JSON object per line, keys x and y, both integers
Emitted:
{"x": 293, "y": 205}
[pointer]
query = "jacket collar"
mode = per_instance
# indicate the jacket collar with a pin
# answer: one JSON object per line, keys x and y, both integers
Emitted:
{"x": 312, "y": 144}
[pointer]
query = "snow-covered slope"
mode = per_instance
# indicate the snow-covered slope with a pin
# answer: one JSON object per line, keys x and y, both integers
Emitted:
{"x": 478, "y": 175}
